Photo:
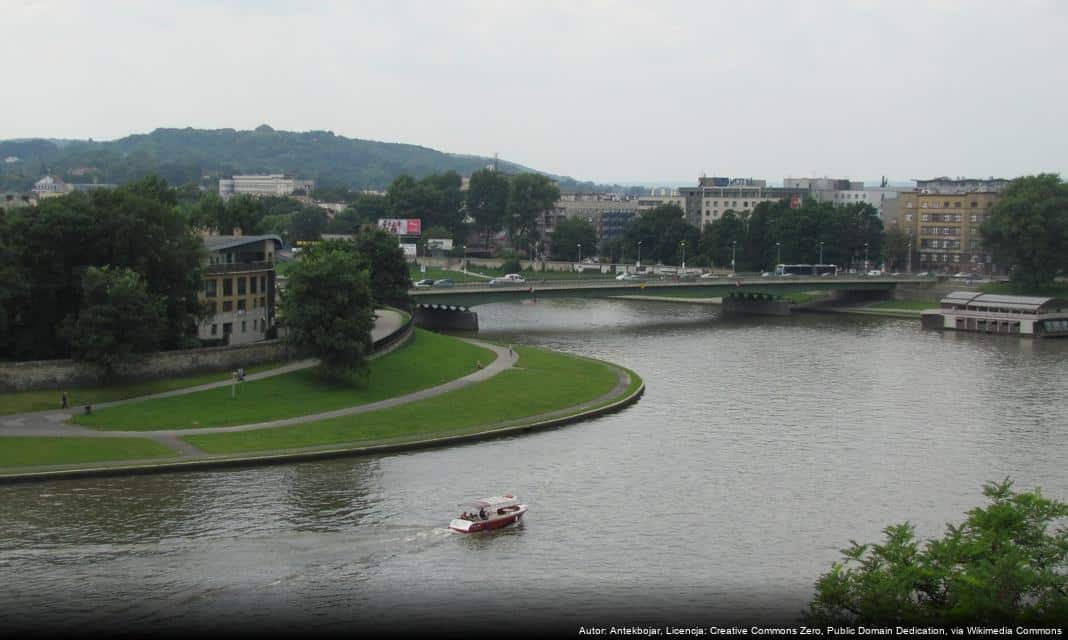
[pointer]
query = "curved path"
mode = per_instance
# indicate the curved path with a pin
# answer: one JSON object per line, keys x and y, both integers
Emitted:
{"x": 51, "y": 424}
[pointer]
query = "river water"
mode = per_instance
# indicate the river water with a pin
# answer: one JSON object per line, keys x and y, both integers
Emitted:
{"x": 760, "y": 449}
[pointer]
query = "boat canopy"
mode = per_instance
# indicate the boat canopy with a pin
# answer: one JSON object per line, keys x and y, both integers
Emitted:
{"x": 494, "y": 502}
{"x": 993, "y": 301}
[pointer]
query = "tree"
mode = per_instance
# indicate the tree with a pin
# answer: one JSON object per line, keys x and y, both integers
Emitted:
{"x": 529, "y": 195}
{"x": 661, "y": 232}
{"x": 118, "y": 318}
{"x": 570, "y": 233}
{"x": 487, "y": 201}
{"x": 327, "y": 306}
{"x": 381, "y": 255}
{"x": 1000, "y": 565}
{"x": 307, "y": 224}
{"x": 1028, "y": 229}
{"x": 896, "y": 248}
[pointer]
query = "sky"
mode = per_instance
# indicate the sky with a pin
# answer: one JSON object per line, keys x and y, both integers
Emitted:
{"x": 643, "y": 91}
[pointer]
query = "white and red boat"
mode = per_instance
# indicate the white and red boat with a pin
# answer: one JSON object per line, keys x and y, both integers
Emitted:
{"x": 488, "y": 514}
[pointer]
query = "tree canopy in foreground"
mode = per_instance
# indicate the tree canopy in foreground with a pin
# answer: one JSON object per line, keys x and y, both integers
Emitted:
{"x": 1001, "y": 565}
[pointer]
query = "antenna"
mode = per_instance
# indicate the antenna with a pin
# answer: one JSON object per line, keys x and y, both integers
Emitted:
{"x": 495, "y": 162}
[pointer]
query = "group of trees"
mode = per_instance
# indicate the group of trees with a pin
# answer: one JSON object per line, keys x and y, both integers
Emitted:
{"x": 1028, "y": 229}
{"x": 88, "y": 268}
{"x": 756, "y": 240}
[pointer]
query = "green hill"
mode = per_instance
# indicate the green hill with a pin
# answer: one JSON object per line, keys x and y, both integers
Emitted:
{"x": 183, "y": 156}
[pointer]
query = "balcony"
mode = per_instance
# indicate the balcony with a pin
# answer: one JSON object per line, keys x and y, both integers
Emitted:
{"x": 238, "y": 267}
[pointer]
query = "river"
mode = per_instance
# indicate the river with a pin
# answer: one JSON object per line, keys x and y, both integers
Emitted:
{"x": 760, "y": 449}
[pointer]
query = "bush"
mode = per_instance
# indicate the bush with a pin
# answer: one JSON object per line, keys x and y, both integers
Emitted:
{"x": 511, "y": 265}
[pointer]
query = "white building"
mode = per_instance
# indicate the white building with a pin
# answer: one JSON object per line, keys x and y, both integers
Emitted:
{"x": 275, "y": 184}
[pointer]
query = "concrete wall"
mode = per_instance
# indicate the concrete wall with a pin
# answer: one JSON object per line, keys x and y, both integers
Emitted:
{"x": 59, "y": 374}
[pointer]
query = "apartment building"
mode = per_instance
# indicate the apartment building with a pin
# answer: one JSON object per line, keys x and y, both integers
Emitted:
{"x": 275, "y": 184}
{"x": 239, "y": 288}
{"x": 943, "y": 215}
{"x": 714, "y": 196}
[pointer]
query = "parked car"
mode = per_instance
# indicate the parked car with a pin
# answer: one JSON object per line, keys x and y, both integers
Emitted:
{"x": 511, "y": 278}
{"x": 628, "y": 276}
{"x": 425, "y": 282}
{"x": 875, "y": 272}
{"x": 766, "y": 274}
{"x": 923, "y": 274}
{"x": 444, "y": 283}
{"x": 709, "y": 276}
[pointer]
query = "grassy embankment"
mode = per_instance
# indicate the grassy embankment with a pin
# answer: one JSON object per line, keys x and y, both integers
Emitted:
{"x": 427, "y": 360}
{"x": 541, "y": 382}
{"x": 27, "y": 401}
{"x": 32, "y": 451}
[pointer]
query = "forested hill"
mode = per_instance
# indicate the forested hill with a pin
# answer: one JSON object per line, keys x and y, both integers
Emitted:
{"x": 182, "y": 156}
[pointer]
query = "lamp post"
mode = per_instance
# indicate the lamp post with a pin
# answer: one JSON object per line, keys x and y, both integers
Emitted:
{"x": 639, "y": 265}
{"x": 683, "y": 245}
{"x": 579, "y": 245}
{"x": 821, "y": 252}
{"x": 465, "y": 259}
{"x": 865, "y": 257}
{"x": 734, "y": 249}
{"x": 778, "y": 253}
{"x": 909, "y": 257}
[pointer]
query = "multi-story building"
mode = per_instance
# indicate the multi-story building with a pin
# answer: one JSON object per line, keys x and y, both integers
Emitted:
{"x": 239, "y": 288}
{"x": 943, "y": 217}
{"x": 52, "y": 186}
{"x": 276, "y": 184}
{"x": 607, "y": 214}
{"x": 712, "y": 197}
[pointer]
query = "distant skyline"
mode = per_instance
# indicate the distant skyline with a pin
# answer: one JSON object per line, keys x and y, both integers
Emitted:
{"x": 620, "y": 92}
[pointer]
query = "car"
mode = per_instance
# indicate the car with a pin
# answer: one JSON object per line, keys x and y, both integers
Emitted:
{"x": 445, "y": 283}
{"x": 628, "y": 276}
{"x": 875, "y": 272}
{"x": 709, "y": 276}
{"x": 766, "y": 274}
{"x": 425, "y": 282}
{"x": 923, "y": 274}
{"x": 827, "y": 274}
{"x": 511, "y": 278}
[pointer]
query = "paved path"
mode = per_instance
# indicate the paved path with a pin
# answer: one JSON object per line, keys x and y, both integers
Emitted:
{"x": 46, "y": 423}
{"x": 50, "y": 424}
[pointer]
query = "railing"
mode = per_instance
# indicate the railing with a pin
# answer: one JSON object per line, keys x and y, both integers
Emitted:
{"x": 660, "y": 281}
{"x": 235, "y": 267}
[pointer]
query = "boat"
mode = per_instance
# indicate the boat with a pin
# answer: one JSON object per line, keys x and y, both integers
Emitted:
{"x": 1038, "y": 317}
{"x": 487, "y": 514}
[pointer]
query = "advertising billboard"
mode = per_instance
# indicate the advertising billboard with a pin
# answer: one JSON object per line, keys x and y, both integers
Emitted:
{"x": 401, "y": 226}
{"x": 409, "y": 250}
{"x": 439, "y": 244}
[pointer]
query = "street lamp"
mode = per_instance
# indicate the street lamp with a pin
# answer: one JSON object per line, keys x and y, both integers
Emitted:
{"x": 639, "y": 265}
{"x": 821, "y": 252}
{"x": 865, "y": 257}
{"x": 683, "y": 245}
{"x": 778, "y": 253}
{"x": 465, "y": 259}
{"x": 579, "y": 245}
{"x": 734, "y": 249}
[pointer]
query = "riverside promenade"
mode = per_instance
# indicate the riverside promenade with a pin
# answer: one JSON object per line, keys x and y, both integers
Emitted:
{"x": 187, "y": 456}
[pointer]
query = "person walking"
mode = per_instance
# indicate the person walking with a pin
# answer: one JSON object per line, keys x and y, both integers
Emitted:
{"x": 63, "y": 402}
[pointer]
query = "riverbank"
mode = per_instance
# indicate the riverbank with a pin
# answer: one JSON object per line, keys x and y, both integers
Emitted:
{"x": 523, "y": 389}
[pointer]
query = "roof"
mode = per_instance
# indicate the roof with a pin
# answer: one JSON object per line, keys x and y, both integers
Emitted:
{"x": 490, "y": 502}
{"x": 218, "y": 243}
{"x": 1020, "y": 303}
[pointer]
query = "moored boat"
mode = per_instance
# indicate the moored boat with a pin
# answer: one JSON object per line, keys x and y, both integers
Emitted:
{"x": 1039, "y": 317}
{"x": 487, "y": 514}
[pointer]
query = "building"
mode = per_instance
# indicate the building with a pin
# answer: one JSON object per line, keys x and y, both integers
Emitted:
{"x": 944, "y": 216}
{"x": 842, "y": 191}
{"x": 239, "y": 288}
{"x": 714, "y": 196}
{"x": 608, "y": 214}
{"x": 50, "y": 187}
{"x": 275, "y": 184}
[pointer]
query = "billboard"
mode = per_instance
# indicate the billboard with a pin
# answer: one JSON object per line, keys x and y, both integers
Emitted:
{"x": 409, "y": 250}
{"x": 440, "y": 244}
{"x": 401, "y": 226}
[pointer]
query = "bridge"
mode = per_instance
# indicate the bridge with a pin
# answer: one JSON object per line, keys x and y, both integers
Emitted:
{"x": 451, "y": 307}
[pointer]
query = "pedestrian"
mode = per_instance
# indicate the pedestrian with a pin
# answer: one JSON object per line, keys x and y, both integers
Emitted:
{"x": 478, "y": 364}
{"x": 241, "y": 374}
{"x": 510, "y": 353}
{"x": 63, "y": 401}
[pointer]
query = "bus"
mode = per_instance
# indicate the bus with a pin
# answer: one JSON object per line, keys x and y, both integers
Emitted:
{"x": 806, "y": 270}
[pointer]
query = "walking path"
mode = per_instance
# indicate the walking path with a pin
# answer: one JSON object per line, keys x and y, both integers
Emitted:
{"x": 49, "y": 423}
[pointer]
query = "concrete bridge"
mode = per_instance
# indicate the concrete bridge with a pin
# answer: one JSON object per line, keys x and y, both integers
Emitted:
{"x": 450, "y": 308}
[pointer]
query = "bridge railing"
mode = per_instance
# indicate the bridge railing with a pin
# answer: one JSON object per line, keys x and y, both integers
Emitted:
{"x": 660, "y": 281}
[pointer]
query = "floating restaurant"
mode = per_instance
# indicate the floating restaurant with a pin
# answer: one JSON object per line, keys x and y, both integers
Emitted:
{"x": 993, "y": 313}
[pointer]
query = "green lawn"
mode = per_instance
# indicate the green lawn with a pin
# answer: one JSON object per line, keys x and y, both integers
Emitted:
{"x": 1054, "y": 290}
{"x": 27, "y": 401}
{"x": 428, "y": 360}
{"x": 909, "y": 305}
{"x": 541, "y": 382}
{"x": 32, "y": 451}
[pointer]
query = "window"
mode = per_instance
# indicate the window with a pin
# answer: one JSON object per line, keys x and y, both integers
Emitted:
{"x": 241, "y": 304}
{"x": 228, "y": 306}
{"x": 263, "y": 284}
{"x": 909, "y": 205}
{"x": 975, "y": 218}
{"x": 214, "y": 329}
{"x": 228, "y": 287}
{"x": 908, "y": 217}
{"x": 241, "y": 286}
{"x": 974, "y": 204}
{"x": 956, "y": 205}
{"x": 263, "y": 301}
{"x": 209, "y": 288}
{"x": 923, "y": 205}
{"x": 244, "y": 326}
{"x": 252, "y": 284}
{"x": 925, "y": 218}
{"x": 213, "y": 308}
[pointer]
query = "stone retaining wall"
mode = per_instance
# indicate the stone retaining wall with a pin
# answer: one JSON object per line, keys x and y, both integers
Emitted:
{"x": 59, "y": 374}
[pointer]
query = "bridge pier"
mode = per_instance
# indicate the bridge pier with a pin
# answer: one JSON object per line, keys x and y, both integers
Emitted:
{"x": 858, "y": 296}
{"x": 445, "y": 317}
{"x": 757, "y": 304}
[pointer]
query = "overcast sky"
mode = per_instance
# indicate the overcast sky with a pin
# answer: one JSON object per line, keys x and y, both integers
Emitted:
{"x": 605, "y": 91}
